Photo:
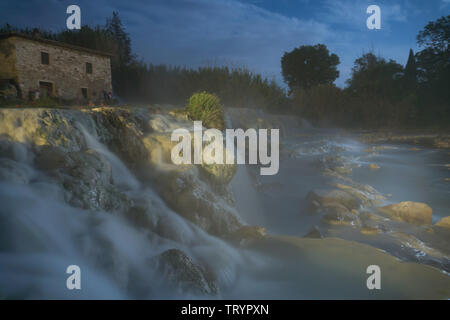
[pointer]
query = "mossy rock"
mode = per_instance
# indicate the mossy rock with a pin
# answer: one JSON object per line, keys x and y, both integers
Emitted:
{"x": 179, "y": 270}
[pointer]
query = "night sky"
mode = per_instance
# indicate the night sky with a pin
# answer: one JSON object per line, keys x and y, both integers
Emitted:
{"x": 251, "y": 33}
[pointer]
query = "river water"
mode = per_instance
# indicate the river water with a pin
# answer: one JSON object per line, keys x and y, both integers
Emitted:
{"x": 406, "y": 173}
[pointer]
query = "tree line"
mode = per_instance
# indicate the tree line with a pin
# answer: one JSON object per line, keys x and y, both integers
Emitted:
{"x": 379, "y": 93}
{"x": 137, "y": 82}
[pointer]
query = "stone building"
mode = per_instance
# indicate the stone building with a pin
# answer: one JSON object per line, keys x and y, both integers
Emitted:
{"x": 38, "y": 67}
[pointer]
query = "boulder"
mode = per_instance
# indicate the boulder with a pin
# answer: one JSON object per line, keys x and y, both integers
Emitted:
{"x": 331, "y": 198}
{"x": 314, "y": 233}
{"x": 366, "y": 194}
{"x": 443, "y": 223}
{"x": 247, "y": 234}
{"x": 160, "y": 145}
{"x": 199, "y": 193}
{"x": 179, "y": 271}
{"x": 408, "y": 211}
{"x": 50, "y": 158}
{"x": 337, "y": 206}
{"x": 371, "y": 222}
{"x": 195, "y": 200}
{"x": 86, "y": 177}
{"x": 341, "y": 217}
{"x": 38, "y": 127}
{"x": 369, "y": 231}
{"x": 121, "y": 130}
{"x": 218, "y": 173}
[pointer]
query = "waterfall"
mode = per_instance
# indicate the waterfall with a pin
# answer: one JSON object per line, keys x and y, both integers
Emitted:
{"x": 121, "y": 175}
{"x": 118, "y": 244}
{"x": 41, "y": 235}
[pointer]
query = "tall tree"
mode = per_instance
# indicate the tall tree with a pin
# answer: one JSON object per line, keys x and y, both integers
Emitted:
{"x": 411, "y": 70}
{"x": 116, "y": 30}
{"x": 308, "y": 66}
{"x": 123, "y": 64}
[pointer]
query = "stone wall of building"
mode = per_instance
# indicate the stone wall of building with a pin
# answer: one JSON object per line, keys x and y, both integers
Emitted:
{"x": 9, "y": 84}
{"x": 7, "y": 59}
{"x": 66, "y": 70}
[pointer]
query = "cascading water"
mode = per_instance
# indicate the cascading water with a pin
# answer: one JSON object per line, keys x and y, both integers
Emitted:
{"x": 41, "y": 235}
{"x": 120, "y": 173}
{"x": 66, "y": 199}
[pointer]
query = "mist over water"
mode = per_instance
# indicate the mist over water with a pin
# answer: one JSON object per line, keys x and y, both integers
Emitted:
{"x": 405, "y": 174}
{"x": 41, "y": 232}
{"x": 41, "y": 235}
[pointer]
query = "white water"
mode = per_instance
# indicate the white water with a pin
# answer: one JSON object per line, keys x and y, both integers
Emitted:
{"x": 121, "y": 175}
{"x": 40, "y": 235}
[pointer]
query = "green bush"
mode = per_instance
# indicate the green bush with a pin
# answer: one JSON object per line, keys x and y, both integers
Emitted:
{"x": 206, "y": 107}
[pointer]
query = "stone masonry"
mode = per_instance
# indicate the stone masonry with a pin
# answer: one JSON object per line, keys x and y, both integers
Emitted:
{"x": 66, "y": 75}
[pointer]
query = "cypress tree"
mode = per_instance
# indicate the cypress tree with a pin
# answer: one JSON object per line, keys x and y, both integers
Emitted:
{"x": 411, "y": 69}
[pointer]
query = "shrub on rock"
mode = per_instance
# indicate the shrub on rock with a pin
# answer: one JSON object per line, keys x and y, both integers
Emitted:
{"x": 206, "y": 107}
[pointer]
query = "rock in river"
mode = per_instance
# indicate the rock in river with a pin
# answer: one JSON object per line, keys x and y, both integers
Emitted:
{"x": 179, "y": 270}
{"x": 444, "y": 223}
{"x": 408, "y": 211}
{"x": 331, "y": 198}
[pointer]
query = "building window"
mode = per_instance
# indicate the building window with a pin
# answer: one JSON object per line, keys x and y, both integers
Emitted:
{"x": 84, "y": 93}
{"x": 45, "y": 58}
{"x": 88, "y": 67}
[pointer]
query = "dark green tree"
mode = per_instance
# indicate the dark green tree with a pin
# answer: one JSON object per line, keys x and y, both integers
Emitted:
{"x": 116, "y": 30}
{"x": 126, "y": 71}
{"x": 410, "y": 76}
{"x": 308, "y": 66}
{"x": 434, "y": 60}
{"x": 374, "y": 76}
{"x": 436, "y": 35}
{"x": 89, "y": 37}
